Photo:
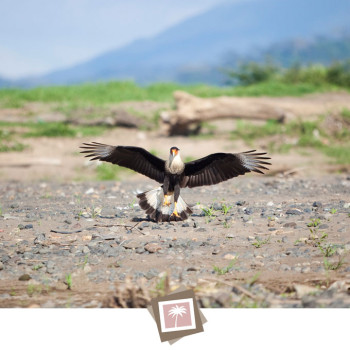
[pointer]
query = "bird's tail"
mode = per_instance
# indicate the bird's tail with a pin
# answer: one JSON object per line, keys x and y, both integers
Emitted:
{"x": 153, "y": 203}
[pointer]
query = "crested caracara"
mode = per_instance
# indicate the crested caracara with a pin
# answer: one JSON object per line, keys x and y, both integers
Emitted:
{"x": 165, "y": 203}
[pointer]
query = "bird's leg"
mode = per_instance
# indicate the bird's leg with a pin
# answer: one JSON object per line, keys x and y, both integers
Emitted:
{"x": 165, "y": 191}
{"x": 175, "y": 211}
{"x": 166, "y": 200}
{"x": 176, "y": 197}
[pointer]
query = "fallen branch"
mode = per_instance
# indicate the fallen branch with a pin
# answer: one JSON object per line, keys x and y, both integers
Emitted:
{"x": 194, "y": 110}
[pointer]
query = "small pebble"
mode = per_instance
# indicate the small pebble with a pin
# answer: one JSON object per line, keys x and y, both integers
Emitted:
{"x": 24, "y": 277}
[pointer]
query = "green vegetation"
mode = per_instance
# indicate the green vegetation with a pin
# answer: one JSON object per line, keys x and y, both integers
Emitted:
{"x": 7, "y": 144}
{"x": 251, "y": 73}
{"x": 107, "y": 172}
{"x": 37, "y": 267}
{"x": 333, "y": 265}
{"x": 226, "y": 269}
{"x": 41, "y": 129}
{"x": 225, "y": 209}
{"x": 208, "y": 212}
{"x": 69, "y": 281}
{"x": 73, "y": 97}
{"x": 32, "y": 289}
{"x": 327, "y": 250}
{"x": 259, "y": 243}
{"x": 51, "y": 130}
{"x": 298, "y": 135}
{"x": 314, "y": 223}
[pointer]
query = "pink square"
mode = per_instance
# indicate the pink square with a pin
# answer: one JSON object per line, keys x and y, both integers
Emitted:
{"x": 177, "y": 315}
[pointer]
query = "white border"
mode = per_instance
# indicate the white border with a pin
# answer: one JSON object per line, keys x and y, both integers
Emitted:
{"x": 176, "y": 301}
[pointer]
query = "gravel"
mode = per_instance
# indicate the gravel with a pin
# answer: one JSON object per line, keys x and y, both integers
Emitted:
{"x": 89, "y": 231}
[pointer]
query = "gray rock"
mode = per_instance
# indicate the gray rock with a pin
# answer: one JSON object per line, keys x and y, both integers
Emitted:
{"x": 294, "y": 211}
{"x": 50, "y": 267}
{"x": 151, "y": 273}
{"x": 24, "y": 277}
{"x": 132, "y": 244}
{"x": 40, "y": 239}
{"x": 317, "y": 205}
{"x": 246, "y": 218}
{"x": 249, "y": 211}
{"x": 285, "y": 267}
{"x": 140, "y": 250}
{"x": 217, "y": 206}
{"x": 143, "y": 225}
{"x": 86, "y": 250}
{"x": 290, "y": 224}
{"x": 323, "y": 226}
{"x": 152, "y": 247}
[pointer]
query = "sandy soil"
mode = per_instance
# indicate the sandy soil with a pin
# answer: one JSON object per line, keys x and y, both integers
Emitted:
{"x": 57, "y": 221}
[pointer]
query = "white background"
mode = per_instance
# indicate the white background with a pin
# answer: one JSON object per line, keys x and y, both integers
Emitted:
{"x": 120, "y": 329}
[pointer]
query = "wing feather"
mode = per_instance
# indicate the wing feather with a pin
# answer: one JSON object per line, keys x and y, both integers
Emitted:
{"x": 220, "y": 167}
{"x": 134, "y": 158}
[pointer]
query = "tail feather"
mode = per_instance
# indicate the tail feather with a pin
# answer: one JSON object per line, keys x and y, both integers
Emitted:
{"x": 152, "y": 202}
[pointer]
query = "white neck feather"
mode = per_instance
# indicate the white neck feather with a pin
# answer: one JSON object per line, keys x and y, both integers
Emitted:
{"x": 176, "y": 164}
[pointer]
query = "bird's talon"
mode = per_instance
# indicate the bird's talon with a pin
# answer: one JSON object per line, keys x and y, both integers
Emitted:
{"x": 175, "y": 213}
{"x": 166, "y": 201}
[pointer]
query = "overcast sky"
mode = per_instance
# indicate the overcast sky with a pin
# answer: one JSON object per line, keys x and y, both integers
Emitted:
{"x": 37, "y": 36}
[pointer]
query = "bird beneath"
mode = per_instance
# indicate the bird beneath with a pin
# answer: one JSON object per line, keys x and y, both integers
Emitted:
{"x": 165, "y": 203}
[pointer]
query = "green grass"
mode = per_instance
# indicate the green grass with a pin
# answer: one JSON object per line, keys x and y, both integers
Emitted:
{"x": 333, "y": 265}
{"x": 108, "y": 172}
{"x": 314, "y": 223}
{"x": 69, "y": 281}
{"x": 309, "y": 134}
{"x": 7, "y": 144}
{"x": 225, "y": 209}
{"x": 259, "y": 243}
{"x": 226, "y": 269}
{"x": 51, "y": 130}
{"x": 74, "y": 96}
{"x": 42, "y": 129}
{"x": 345, "y": 113}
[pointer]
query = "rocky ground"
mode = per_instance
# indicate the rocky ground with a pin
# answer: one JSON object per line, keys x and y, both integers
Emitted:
{"x": 255, "y": 241}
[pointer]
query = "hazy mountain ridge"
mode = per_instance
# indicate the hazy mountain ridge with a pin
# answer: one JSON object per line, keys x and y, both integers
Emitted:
{"x": 193, "y": 50}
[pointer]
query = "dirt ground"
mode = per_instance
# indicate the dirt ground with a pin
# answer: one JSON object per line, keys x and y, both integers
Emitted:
{"x": 67, "y": 240}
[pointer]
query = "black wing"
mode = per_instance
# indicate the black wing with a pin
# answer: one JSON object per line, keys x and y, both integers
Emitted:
{"x": 135, "y": 158}
{"x": 220, "y": 167}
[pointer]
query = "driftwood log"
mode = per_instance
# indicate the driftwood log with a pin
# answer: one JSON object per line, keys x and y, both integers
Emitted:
{"x": 191, "y": 110}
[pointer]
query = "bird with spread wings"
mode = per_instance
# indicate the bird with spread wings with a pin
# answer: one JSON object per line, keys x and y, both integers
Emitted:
{"x": 165, "y": 203}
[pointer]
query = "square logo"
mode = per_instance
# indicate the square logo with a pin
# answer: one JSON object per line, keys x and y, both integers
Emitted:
{"x": 177, "y": 315}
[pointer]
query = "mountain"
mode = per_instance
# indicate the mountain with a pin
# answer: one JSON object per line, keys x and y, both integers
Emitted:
{"x": 5, "y": 83}
{"x": 191, "y": 50}
{"x": 323, "y": 50}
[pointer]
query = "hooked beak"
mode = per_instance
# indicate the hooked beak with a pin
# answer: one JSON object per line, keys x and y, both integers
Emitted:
{"x": 174, "y": 152}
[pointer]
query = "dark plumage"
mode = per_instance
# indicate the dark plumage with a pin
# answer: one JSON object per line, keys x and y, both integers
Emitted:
{"x": 173, "y": 174}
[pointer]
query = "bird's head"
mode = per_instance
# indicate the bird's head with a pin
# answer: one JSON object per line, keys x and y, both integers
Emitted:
{"x": 174, "y": 152}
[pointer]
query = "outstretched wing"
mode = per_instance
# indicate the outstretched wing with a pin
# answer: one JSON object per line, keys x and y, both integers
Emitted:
{"x": 135, "y": 158}
{"x": 218, "y": 167}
